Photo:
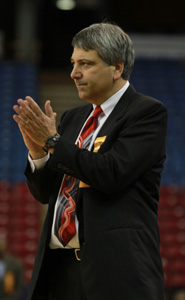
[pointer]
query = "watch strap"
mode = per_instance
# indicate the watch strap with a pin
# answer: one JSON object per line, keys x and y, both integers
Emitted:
{"x": 51, "y": 142}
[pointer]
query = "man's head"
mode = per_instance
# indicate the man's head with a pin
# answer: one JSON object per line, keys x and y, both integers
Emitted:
{"x": 111, "y": 43}
{"x": 102, "y": 59}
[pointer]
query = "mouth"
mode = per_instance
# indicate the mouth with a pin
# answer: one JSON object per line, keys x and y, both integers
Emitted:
{"x": 80, "y": 84}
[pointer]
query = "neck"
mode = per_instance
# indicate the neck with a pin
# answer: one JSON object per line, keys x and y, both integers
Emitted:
{"x": 120, "y": 84}
{"x": 117, "y": 86}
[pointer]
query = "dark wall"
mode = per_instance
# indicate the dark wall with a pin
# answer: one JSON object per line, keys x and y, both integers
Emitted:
{"x": 56, "y": 28}
{"x": 149, "y": 16}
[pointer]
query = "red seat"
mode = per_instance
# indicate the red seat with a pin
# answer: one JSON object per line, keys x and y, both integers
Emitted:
{"x": 177, "y": 266}
{"x": 28, "y": 260}
{"x": 4, "y": 191}
{"x": 20, "y": 223}
{"x": 4, "y": 221}
{"x": 172, "y": 225}
{"x": 4, "y": 207}
{"x": 175, "y": 280}
{"x": 174, "y": 252}
{"x": 168, "y": 201}
{"x": 24, "y": 209}
{"x": 23, "y": 235}
{"x": 24, "y": 222}
{"x": 28, "y": 274}
{"x": 169, "y": 239}
{"x": 20, "y": 248}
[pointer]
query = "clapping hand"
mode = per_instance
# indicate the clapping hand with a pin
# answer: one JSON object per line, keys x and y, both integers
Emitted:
{"x": 35, "y": 125}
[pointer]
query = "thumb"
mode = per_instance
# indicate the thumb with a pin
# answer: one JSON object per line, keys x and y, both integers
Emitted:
{"x": 55, "y": 115}
{"x": 48, "y": 109}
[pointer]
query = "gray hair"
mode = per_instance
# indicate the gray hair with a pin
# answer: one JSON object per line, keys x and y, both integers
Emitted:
{"x": 111, "y": 42}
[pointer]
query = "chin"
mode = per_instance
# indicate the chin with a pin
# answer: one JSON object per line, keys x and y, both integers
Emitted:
{"x": 82, "y": 96}
{"x": 85, "y": 97}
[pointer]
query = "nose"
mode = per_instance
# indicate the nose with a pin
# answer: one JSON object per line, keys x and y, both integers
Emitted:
{"x": 76, "y": 74}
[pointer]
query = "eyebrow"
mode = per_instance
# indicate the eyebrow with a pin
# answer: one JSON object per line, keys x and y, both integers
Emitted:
{"x": 82, "y": 59}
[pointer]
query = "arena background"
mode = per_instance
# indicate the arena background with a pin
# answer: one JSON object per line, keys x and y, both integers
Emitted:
{"x": 35, "y": 51}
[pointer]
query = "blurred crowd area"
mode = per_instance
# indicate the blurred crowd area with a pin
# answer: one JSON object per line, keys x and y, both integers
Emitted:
{"x": 35, "y": 53}
{"x": 21, "y": 216}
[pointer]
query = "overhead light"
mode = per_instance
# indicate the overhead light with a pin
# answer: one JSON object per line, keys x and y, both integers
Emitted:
{"x": 66, "y": 4}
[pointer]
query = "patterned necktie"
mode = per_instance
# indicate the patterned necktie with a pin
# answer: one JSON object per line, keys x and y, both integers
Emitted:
{"x": 65, "y": 218}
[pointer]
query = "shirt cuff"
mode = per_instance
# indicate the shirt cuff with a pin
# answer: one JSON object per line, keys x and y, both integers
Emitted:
{"x": 38, "y": 163}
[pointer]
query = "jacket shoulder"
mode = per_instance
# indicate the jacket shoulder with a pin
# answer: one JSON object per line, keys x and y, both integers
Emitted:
{"x": 143, "y": 103}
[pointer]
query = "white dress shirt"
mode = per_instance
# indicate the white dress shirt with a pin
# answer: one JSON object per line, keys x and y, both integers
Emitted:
{"x": 107, "y": 108}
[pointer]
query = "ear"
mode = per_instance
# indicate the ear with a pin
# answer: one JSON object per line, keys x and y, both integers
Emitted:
{"x": 118, "y": 70}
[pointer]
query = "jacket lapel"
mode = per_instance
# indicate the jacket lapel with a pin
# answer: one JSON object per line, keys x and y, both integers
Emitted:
{"x": 119, "y": 110}
{"x": 78, "y": 119}
{"x": 80, "y": 115}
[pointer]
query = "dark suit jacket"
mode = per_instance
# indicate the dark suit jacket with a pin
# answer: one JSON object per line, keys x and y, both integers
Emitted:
{"x": 121, "y": 256}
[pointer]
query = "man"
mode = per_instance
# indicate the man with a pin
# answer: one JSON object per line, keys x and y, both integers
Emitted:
{"x": 179, "y": 295}
{"x": 11, "y": 274}
{"x": 105, "y": 243}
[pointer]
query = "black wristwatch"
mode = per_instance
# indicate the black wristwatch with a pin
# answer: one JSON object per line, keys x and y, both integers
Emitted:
{"x": 51, "y": 142}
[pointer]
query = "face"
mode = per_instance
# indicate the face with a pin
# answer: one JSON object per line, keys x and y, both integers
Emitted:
{"x": 93, "y": 78}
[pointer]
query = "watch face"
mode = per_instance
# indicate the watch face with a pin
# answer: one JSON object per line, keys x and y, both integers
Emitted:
{"x": 51, "y": 143}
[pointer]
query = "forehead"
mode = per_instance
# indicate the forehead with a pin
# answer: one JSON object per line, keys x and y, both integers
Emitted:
{"x": 80, "y": 54}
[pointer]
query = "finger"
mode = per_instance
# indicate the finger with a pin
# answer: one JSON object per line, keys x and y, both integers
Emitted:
{"x": 23, "y": 105}
{"x": 34, "y": 106}
{"x": 28, "y": 111}
{"x": 21, "y": 113}
{"x": 20, "y": 122}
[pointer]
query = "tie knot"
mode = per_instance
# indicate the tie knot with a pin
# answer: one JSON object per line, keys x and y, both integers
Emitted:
{"x": 97, "y": 111}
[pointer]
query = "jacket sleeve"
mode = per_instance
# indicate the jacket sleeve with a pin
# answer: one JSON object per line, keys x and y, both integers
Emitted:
{"x": 43, "y": 182}
{"x": 134, "y": 146}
